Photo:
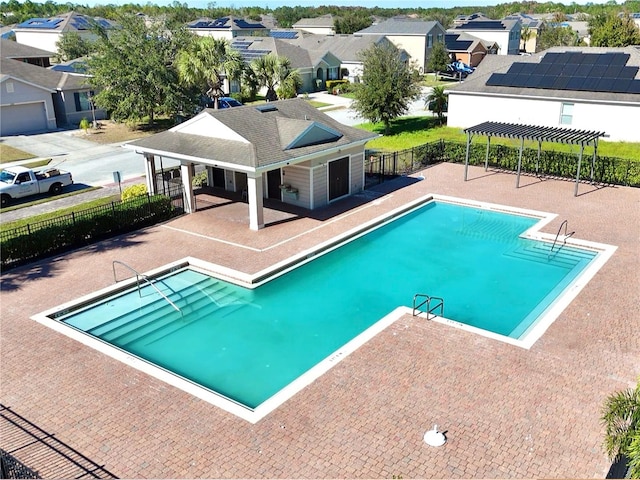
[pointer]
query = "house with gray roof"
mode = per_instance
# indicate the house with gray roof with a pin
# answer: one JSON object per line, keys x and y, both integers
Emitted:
{"x": 25, "y": 53}
{"x": 506, "y": 33}
{"x": 285, "y": 150}
{"x": 467, "y": 48}
{"x": 595, "y": 89}
{"x": 532, "y": 25}
{"x": 36, "y": 99}
{"x": 416, "y": 37}
{"x": 44, "y": 33}
{"x": 226, "y": 27}
{"x": 347, "y": 49}
{"x": 315, "y": 65}
{"x": 322, "y": 25}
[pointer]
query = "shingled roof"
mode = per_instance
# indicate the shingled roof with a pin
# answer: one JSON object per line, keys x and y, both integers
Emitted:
{"x": 397, "y": 26}
{"x": 41, "y": 77}
{"x": 251, "y": 137}
{"x": 11, "y": 49}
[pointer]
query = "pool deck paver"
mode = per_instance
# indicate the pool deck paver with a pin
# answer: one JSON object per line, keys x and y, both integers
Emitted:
{"x": 507, "y": 412}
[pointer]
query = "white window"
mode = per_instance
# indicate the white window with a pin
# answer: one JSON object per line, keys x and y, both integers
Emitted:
{"x": 333, "y": 73}
{"x": 9, "y": 87}
{"x": 566, "y": 114}
{"x": 429, "y": 40}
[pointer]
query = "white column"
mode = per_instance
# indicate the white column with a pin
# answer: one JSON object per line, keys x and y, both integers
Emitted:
{"x": 256, "y": 214}
{"x": 186, "y": 174}
{"x": 150, "y": 173}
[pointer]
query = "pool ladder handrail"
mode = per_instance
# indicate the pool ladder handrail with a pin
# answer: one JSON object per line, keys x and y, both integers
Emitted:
{"x": 146, "y": 279}
{"x": 427, "y": 301}
{"x": 564, "y": 240}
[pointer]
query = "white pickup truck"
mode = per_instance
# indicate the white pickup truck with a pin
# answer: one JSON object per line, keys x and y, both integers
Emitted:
{"x": 18, "y": 182}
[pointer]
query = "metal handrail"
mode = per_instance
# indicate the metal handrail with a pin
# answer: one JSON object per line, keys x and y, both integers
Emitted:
{"x": 564, "y": 242}
{"x": 427, "y": 301}
{"x": 146, "y": 279}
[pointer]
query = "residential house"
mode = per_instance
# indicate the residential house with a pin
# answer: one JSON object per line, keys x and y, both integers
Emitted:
{"x": 322, "y": 25}
{"x": 314, "y": 66}
{"x": 25, "y": 53}
{"x": 44, "y": 33}
{"x": 227, "y": 28}
{"x": 467, "y": 48}
{"x": 346, "y": 48}
{"x": 285, "y": 150}
{"x": 506, "y": 33}
{"x": 36, "y": 99}
{"x": 596, "y": 89}
{"x": 462, "y": 19}
{"x": 416, "y": 37}
{"x": 530, "y": 24}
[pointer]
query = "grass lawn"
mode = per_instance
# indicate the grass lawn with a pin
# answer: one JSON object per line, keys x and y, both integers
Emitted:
{"x": 11, "y": 154}
{"x": 408, "y": 132}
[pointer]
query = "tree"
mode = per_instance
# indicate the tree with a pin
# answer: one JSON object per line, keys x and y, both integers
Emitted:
{"x": 613, "y": 31}
{"x": 525, "y": 35}
{"x": 437, "y": 102}
{"x": 272, "y": 70}
{"x": 621, "y": 417}
{"x": 71, "y": 46}
{"x": 206, "y": 63}
{"x": 557, "y": 37}
{"x": 352, "y": 21}
{"x": 133, "y": 71}
{"x": 388, "y": 85}
{"x": 439, "y": 58}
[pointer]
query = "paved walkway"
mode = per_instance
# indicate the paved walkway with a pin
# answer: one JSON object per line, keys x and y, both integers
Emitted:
{"x": 507, "y": 412}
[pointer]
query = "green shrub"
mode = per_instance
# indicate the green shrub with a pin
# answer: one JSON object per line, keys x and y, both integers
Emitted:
{"x": 133, "y": 191}
{"x": 200, "y": 180}
{"x": 333, "y": 84}
{"x": 81, "y": 228}
{"x": 85, "y": 124}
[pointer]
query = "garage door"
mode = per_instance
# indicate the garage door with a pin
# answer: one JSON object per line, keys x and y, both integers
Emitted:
{"x": 26, "y": 118}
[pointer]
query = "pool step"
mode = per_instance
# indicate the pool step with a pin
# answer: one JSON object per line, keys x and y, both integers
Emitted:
{"x": 539, "y": 252}
{"x": 187, "y": 299}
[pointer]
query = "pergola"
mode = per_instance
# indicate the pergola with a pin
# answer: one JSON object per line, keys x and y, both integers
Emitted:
{"x": 538, "y": 134}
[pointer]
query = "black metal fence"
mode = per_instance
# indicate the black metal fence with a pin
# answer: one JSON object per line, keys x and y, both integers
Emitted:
{"x": 381, "y": 166}
{"x": 65, "y": 232}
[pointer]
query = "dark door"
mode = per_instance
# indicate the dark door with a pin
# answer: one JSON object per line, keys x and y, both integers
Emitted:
{"x": 218, "y": 177}
{"x": 338, "y": 178}
{"x": 273, "y": 184}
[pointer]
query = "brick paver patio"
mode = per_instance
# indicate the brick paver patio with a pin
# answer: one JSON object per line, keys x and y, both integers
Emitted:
{"x": 507, "y": 411}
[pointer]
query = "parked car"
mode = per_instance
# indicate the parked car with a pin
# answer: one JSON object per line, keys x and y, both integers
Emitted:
{"x": 18, "y": 182}
{"x": 223, "y": 102}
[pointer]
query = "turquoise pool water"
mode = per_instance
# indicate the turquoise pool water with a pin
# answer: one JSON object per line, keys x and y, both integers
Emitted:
{"x": 249, "y": 344}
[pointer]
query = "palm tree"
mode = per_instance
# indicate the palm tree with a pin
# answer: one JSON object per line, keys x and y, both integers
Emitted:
{"x": 525, "y": 35}
{"x": 272, "y": 70}
{"x": 206, "y": 62}
{"x": 621, "y": 417}
{"x": 436, "y": 101}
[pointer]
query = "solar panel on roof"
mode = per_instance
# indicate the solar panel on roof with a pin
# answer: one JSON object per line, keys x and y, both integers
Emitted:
{"x": 598, "y": 71}
{"x": 613, "y": 71}
{"x": 605, "y": 59}
{"x": 621, "y": 85}
{"x": 266, "y": 108}
{"x": 628, "y": 72}
{"x": 605, "y": 85}
{"x": 634, "y": 87}
{"x": 560, "y": 83}
{"x": 589, "y": 58}
{"x": 549, "y": 57}
{"x": 591, "y": 83}
{"x": 583, "y": 70}
{"x": 528, "y": 68}
{"x": 575, "y": 83}
{"x": 547, "y": 81}
{"x": 516, "y": 67}
{"x": 285, "y": 35}
{"x": 620, "y": 59}
{"x": 496, "y": 80}
{"x": 554, "y": 69}
{"x": 574, "y": 58}
{"x": 533, "y": 81}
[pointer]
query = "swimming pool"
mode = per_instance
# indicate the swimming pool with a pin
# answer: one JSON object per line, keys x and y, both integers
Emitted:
{"x": 248, "y": 344}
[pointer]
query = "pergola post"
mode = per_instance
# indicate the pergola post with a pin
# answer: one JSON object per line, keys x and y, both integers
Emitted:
{"x": 486, "y": 155}
{"x": 593, "y": 158}
{"x": 538, "y": 159}
{"x": 575, "y": 193}
{"x": 519, "y": 162}
{"x": 466, "y": 157}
